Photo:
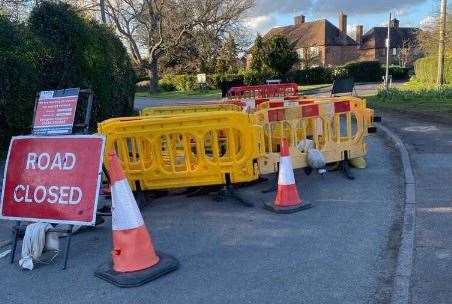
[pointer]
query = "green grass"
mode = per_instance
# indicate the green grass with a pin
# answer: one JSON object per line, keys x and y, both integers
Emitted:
{"x": 415, "y": 98}
{"x": 213, "y": 94}
{"x": 308, "y": 87}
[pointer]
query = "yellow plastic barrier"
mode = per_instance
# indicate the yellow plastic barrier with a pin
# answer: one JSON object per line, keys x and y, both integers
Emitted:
{"x": 337, "y": 126}
{"x": 186, "y": 150}
{"x": 187, "y": 109}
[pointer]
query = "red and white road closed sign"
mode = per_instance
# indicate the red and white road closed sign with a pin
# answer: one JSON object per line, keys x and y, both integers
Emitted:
{"x": 53, "y": 179}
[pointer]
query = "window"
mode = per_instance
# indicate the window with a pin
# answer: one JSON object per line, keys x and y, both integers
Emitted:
{"x": 300, "y": 53}
{"x": 314, "y": 51}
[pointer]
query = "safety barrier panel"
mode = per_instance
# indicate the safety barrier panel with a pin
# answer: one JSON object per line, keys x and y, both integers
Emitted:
{"x": 263, "y": 91}
{"x": 337, "y": 126}
{"x": 204, "y": 148}
{"x": 198, "y": 145}
{"x": 192, "y": 108}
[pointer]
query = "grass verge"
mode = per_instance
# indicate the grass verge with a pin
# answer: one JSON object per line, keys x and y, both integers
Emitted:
{"x": 213, "y": 94}
{"x": 437, "y": 102}
{"x": 304, "y": 88}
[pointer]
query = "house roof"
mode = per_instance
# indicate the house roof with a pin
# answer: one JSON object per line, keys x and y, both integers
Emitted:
{"x": 319, "y": 33}
{"x": 375, "y": 38}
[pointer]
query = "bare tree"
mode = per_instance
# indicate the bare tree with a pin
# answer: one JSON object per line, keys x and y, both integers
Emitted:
{"x": 309, "y": 57}
{"x": 152, "y": 28}
{"x": 409, "y": 53}
{"x": 15, "y": 9}
{"x": 428, "y": 36}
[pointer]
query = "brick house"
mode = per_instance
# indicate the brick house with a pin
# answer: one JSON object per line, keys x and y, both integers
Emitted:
{"x": 373, "y": 43}
{"x": 318, "y": 43}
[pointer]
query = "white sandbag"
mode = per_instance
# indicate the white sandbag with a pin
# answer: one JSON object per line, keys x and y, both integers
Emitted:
{"x": 305, "y": 145}
{"x": 316, "y": 160}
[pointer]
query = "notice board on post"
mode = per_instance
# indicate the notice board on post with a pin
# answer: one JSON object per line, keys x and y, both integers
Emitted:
{"x": 55, "y": 112}
{"x": 53, "y": 179}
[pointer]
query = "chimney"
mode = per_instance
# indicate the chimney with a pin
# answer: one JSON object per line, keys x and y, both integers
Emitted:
{"x": 359, "y": 34}
{"x": 395, "y": 23}
{"x": 343, "y": 22}
{"x": 299, "y": 20}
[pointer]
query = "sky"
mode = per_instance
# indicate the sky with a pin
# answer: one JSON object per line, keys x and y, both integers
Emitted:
{"x": 370, "y": 13}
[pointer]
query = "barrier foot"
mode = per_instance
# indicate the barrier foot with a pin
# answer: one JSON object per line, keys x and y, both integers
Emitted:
{"x": 229, "y": 192}
{"x": 275, "y": 186}
{"x": 345, "y": 167}
{"x": 166, "y": 264}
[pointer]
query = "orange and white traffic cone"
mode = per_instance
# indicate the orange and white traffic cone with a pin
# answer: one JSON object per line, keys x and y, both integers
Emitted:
{"x": 135, "y": 261}
{"x": 287, "y": 198}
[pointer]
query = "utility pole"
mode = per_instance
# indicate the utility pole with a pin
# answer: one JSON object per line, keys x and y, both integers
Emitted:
{"x": 442, "y": 30}
{"x": 388, "y": 45}
{"x": 102, "y": 11}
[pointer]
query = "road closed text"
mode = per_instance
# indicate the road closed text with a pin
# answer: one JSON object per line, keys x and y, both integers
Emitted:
{"x": 48, "y": 163}
{"x": 55, "y": 179}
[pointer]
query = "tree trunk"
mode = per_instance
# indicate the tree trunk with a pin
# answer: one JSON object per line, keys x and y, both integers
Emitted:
{"x": 154, "y": 76}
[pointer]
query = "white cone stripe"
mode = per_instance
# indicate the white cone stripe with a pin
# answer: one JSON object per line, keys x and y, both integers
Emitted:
{"x": 285, "y": 171}
{"x": 125, "y": 213}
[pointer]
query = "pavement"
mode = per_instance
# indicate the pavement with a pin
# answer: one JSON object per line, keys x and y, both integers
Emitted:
{"x": 429, "y": 142}
{"x": 343, "y": 250}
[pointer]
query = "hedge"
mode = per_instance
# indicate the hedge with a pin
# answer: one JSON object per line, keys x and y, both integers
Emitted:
{"x": 426, "y": 70}
{"x": 59, "y": 49}
{"x": 399, "y": 73}
{"x": 366, "y": 71}
{"x": 18, "y": 80}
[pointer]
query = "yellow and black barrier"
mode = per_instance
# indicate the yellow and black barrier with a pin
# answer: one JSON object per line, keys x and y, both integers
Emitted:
{"x": 186, "y": 150}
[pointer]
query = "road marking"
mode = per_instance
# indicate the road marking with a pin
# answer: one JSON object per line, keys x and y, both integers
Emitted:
{"x": 442, "y": 254}
{"x": 421, "y": 129}
{"x": 4, "y": 253}
{"x": 436, "y": 209}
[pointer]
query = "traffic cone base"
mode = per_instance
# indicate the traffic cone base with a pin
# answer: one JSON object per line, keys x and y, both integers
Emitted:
{"x": 166, "y": 264}
{"x": 286, "y": 209}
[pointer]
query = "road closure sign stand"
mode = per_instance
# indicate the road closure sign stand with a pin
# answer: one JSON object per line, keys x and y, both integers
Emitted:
{"x": 53, "y": 179}
{"x": 55, "y": 112}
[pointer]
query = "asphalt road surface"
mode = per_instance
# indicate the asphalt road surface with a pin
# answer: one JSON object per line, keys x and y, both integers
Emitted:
{"x": 341, "y": 251}
{"x": 429, "y": 142}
